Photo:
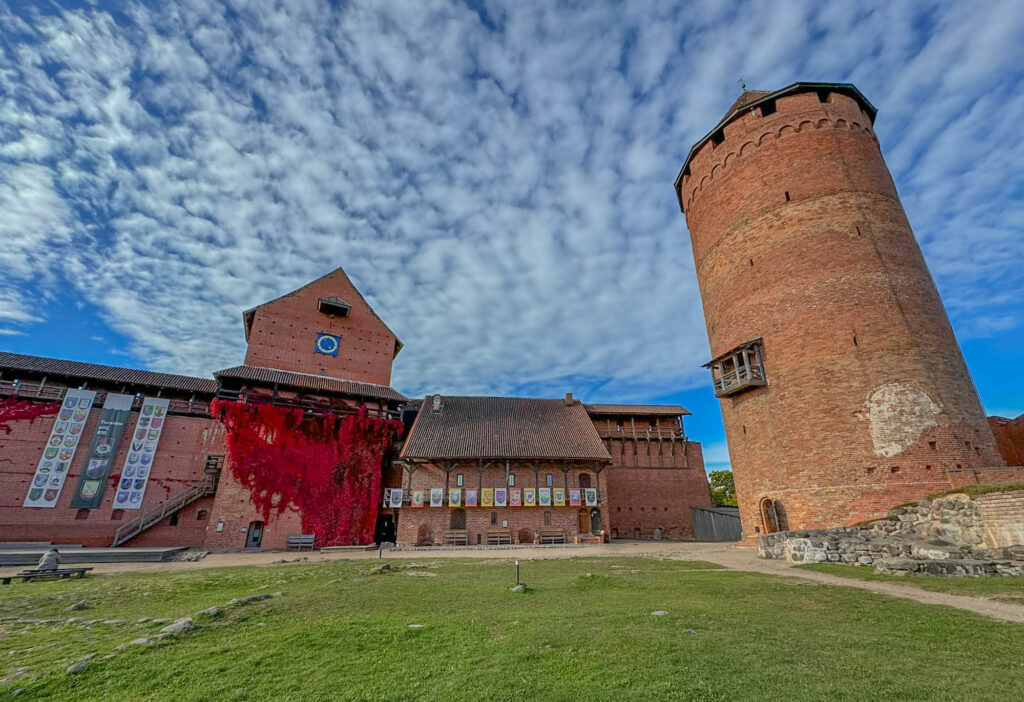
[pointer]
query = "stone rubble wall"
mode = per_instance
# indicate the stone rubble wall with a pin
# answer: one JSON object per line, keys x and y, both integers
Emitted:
{"x": 950, "y": 535}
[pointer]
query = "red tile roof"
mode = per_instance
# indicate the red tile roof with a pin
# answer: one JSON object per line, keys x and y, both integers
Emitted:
{"x": 55, "y": 367}
{"x": 638, "y": 410}
{"x": 504, "y": 428}
{"x": 308, "y": 381}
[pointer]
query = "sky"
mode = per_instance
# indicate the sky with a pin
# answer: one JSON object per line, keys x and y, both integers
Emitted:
{"x": 495, "y": 177}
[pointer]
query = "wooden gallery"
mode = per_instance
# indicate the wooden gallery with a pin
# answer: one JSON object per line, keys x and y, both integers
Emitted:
{"x": 306, "y": 439}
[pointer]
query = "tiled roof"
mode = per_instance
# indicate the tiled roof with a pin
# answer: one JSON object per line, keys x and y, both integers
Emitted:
{"x": 639, "y": 410}
{"x": 55, "y": 367}
{"x": 504, "y": 428}
{"x": 308, "y": 381}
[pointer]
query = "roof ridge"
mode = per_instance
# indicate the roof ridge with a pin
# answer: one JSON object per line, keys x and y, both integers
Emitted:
{"x": 311, "y": 375}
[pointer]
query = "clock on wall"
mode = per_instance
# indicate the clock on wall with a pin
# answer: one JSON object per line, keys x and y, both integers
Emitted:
{"x": 327, "y": 344}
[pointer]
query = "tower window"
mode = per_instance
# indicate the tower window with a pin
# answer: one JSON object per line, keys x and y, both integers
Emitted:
{"x": 824, "y": 96}
{"x": 717, "y": 138}
{"x": 787, "y": 196}
{"x": 767, "y": 108}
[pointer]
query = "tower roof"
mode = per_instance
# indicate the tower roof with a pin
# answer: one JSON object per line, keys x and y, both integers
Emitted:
{"x": 752, "y": 98}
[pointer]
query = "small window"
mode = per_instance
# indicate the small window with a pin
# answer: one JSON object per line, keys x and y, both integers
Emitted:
{"x": 202, "y": 515}
{"x": 584, "y": 480}
{"x": 174, "y": 520}
{"x": 117, "y": 515}
{"x": 618, "y": 426}
{"x": 511, "y": 480}
{"x": 717, "y": 138}
{"x": 82, "y": 514}
{"x": 549, "y": 480}
{"x": 651, "y": 427}
{"x": 214, "y": 462}
{"x": 767, "y": 108}
{"x": 547, "y": 519}
{"x": 458, "y": 480}
{"x": 494, "y": 518}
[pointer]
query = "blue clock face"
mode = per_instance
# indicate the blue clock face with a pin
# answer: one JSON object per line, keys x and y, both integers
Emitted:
{"x": 328, "y": 344}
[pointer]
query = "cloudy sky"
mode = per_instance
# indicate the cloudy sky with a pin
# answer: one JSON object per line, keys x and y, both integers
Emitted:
{"x": 495, "y": 177}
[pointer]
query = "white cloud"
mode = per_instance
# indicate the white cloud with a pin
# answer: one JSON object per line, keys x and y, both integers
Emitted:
{"x": 502, "y": 197}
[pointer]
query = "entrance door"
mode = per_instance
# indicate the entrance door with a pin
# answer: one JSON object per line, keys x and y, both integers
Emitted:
{"x": 595, "y": 521}
{"x": 384, "y": 533}
{"x": 584, "y": 518}
{"x": 254, "y": 537}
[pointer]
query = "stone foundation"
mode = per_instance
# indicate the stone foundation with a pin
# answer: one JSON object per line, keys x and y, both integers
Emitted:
{"x": 951, "y": 535}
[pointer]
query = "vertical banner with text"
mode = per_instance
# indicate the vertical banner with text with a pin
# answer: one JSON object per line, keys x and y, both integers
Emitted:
{"x": 60, "y": 449}
{"x": 93, "y": 480}
{"x": 138, "y": 464}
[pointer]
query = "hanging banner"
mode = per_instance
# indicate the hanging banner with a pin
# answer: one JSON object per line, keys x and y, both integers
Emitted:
{"x": 559, "y": 497}
{"x": 455, "y": 497}
{"x": 530, "y": 497}
{"x": 575, "y": 497}
{"x": 500, "y": 497}
{"x": 417, "y": 498}
{"x": 471, "y": 498}
{"x": 60, "y": 449}
{"x": 544, "y": 497}
{"x": 436, "y": 497}
{"x": 487, "y": 497}
{"x": 396, "y": 498}
{"x": 93, "y": 480}
{"x": 138, "y": 464}
{"x": 590, "y": 494}
{"x": 515, "y": 497}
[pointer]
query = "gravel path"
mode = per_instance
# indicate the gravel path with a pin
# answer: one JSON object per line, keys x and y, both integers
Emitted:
{"x": 726, "y": 555}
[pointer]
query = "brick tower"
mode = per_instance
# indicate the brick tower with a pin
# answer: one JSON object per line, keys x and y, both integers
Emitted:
{"x": 842, "y": 387}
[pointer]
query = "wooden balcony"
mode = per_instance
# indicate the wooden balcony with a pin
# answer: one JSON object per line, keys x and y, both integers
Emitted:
{"x": 738, "y": 380}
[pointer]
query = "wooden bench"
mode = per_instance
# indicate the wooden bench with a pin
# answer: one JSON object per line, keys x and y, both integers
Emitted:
{"x": 64, "y": 573}
{"x": 301, "y": 541}
{"x": 497, "y": 537}
{"x": 552, "y": 536}
{"x": 456, "y": 537}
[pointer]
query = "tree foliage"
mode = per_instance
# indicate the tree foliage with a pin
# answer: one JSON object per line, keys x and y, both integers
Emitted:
{"x": 723, "y": 491}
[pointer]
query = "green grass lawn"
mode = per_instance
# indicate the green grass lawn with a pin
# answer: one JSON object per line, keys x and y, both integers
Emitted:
{"x": 1010, "y": 588}
{"x": 727, "y": 635}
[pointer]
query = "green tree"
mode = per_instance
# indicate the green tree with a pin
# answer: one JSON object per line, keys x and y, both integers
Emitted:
{"x": 723, "y": 491}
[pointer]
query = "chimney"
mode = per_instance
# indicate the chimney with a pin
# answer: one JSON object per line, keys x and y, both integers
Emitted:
{"x": 569, "y": 401}
{"x": 435, "y": 404}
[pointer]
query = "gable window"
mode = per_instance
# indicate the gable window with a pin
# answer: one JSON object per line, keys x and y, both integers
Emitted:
{"x": 458, "y": 480}
{"x": 549, "y": 480}
{"x": 511, "y": 480}
{"x": 738, "y": 370}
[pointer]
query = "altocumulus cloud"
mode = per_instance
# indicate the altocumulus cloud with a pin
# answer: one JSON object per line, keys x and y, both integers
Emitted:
{"x": 496, "y": 177}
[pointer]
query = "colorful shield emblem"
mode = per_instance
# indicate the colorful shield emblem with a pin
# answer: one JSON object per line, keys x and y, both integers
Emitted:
{"x": 60, "y": 427}
{"x": 70, "y": 403}
{"x": 133, "y": 459}
{"x": 143, "y": 421}
{"x": 129, "y": 471}
{"x": 146, "y": 459}
{"x": 35, "y": 493}
{"x": 55, "y": 440}
{"x": 70, "y": 441}
{"x": 50, "y": 453}
{"x": 66, "y": 415}
{"x": 147, "y": 410}
{"x": 136, "y": 498}
{"x": 50, "y": 495}
{"x": 84, "y": 402}
{"x": 62, "y": 466}
{"x": 122, "y": 497}
{"x": 77, "y": 428}
{"x": 126, "y": 484}
{"x": 65, "y": 455}
{"x": 90, "y": 488}
{"x": 39, "y": 481}
{"x": 159, "y": 411}
{"x": 81, "y": 415}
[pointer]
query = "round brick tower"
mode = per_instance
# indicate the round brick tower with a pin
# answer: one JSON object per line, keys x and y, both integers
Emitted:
{"x": 842, "y": 387}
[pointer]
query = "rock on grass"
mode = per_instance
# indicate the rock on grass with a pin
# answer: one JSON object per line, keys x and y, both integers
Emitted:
{"x": 180, "y": 626}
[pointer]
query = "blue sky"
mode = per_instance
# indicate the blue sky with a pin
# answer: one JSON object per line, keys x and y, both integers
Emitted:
{"x": 495, "y": 177}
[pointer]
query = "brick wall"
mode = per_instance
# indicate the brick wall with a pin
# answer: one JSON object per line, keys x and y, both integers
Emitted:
{"x": 437, "y": 519}
{"x": 179, "y": 462}
{"x": 232, "y": 513}
{"x": 799, "y": 238}
{"x": 1009, "y": 434}
{"x": 284, "y": 331}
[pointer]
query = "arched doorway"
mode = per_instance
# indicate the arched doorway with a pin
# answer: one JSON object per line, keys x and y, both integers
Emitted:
{"x": 769, "y": 516}
{"x": 458, "y": 520}
{"x": 584, "y": 519}
{"x": 595, "y": 521}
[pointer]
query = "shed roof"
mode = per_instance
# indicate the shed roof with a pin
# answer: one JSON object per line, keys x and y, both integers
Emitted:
{"x": 504, "y": 428}
{"x": 308, "y": 381}
{"x": 638, "y": 410}
{"x": 56, "y": 367}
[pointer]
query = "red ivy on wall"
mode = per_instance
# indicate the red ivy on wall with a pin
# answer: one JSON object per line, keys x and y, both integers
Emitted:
{"x": 13, "y": 410}
{"x": 329, "y": 467}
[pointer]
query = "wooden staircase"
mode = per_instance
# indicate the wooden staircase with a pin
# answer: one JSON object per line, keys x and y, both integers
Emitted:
{"x": 175, "y": 503}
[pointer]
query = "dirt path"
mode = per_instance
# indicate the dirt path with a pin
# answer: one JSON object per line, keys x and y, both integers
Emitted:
{"x": 728, "y": 556}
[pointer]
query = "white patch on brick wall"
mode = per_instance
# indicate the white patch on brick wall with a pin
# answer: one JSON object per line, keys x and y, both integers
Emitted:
{"x": 897, "y": 413}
